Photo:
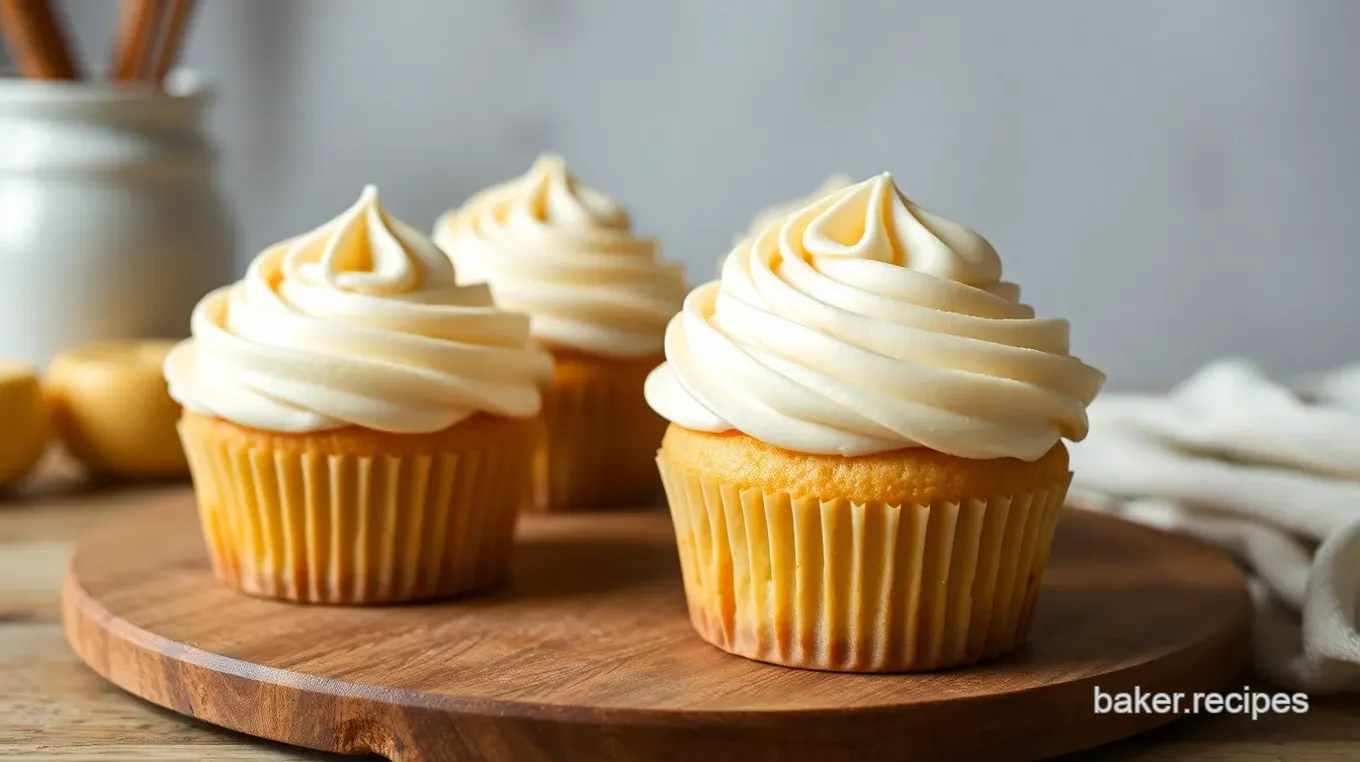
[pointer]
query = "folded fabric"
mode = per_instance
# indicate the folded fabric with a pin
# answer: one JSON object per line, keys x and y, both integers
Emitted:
{"x": 1269, "y": 473}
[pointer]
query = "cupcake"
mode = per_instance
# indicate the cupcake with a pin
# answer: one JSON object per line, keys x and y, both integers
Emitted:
{"x": 599, "y": 298}
{"x": 865, "y": 461}
{"x": 359, "y": 426}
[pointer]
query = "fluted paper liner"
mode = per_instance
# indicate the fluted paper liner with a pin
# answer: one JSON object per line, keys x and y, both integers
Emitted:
{"x": 600, "y": 441}
{"x": 318, "y": 528}
{"x": 873, "y": 587}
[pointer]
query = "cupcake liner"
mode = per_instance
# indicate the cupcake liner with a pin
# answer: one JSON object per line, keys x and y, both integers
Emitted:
{"x": 599, "y": 448}
{"x": 347, "y": 529}
{"x": 872, "y": 587}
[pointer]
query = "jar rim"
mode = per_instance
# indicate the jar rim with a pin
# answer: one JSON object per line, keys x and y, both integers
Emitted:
{"x": 180, "y": 85}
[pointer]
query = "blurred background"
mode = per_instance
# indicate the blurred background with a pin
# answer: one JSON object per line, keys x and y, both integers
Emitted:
{"x": 1179, "y": 179}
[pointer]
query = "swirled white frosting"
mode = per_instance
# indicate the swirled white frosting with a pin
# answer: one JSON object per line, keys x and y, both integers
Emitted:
{"x": 360, "y": 322}
{"x": 778, "y": 212}
{"x": 566, "y": 255}
{"x": 864, "y": 324}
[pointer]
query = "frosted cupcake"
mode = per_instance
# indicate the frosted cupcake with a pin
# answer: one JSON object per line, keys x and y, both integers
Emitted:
{"x": 599, "y": 298}
{"x": 865, "y": 463}
{"x": 360, "y": 428}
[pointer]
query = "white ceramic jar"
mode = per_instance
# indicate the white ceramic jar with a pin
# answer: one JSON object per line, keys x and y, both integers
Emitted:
{"x": 111, "y": 222}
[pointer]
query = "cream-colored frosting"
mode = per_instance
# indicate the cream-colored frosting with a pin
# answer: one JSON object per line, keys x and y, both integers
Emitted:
{"x": 863, "y": 324}
{"x": 566, "y": 255}
{"x": 360, "y": 322}
{"x": 778, "y": 212}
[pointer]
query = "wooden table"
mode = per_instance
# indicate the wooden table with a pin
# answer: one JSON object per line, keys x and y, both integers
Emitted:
{"x": 53, "y": 708}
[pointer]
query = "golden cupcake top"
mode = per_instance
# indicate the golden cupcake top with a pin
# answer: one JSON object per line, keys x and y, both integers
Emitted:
{"x": 864, "y": 323}
{"x": 567, "y": 255}
{"x": 361, "y": 322}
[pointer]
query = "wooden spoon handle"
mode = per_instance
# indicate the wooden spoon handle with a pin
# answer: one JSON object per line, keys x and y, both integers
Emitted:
{"x": 136, "y": 33}
{"x": 172, "y": 39}
{"x": 35, "y": 40}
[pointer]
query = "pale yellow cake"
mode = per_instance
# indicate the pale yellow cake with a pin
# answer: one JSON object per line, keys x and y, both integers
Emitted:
{"x": 358, "y": 516}
{"x": 597, "y": 429}
{"x": 599, "y": 296}
{"x": 865, "y": 463}
{"x": 359, "y": 426}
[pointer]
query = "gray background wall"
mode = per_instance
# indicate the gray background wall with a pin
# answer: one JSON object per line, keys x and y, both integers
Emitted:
{"x": 1178, "y": 177}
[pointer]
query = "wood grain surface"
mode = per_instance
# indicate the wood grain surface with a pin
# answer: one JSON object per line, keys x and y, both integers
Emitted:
{"x": 588, "y": 654}
{"x": 54, "y": 707}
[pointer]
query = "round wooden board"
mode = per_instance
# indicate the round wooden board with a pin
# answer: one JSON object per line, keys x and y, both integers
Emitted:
{"x": 588, "y": 655}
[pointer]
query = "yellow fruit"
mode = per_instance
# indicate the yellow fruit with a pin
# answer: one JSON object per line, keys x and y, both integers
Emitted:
{"x": 113, "y": 411}
{"x": 24, "y": 422}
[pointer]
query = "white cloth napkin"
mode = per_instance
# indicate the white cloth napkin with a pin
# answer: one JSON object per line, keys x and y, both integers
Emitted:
{"x": 1271, "y": 474}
